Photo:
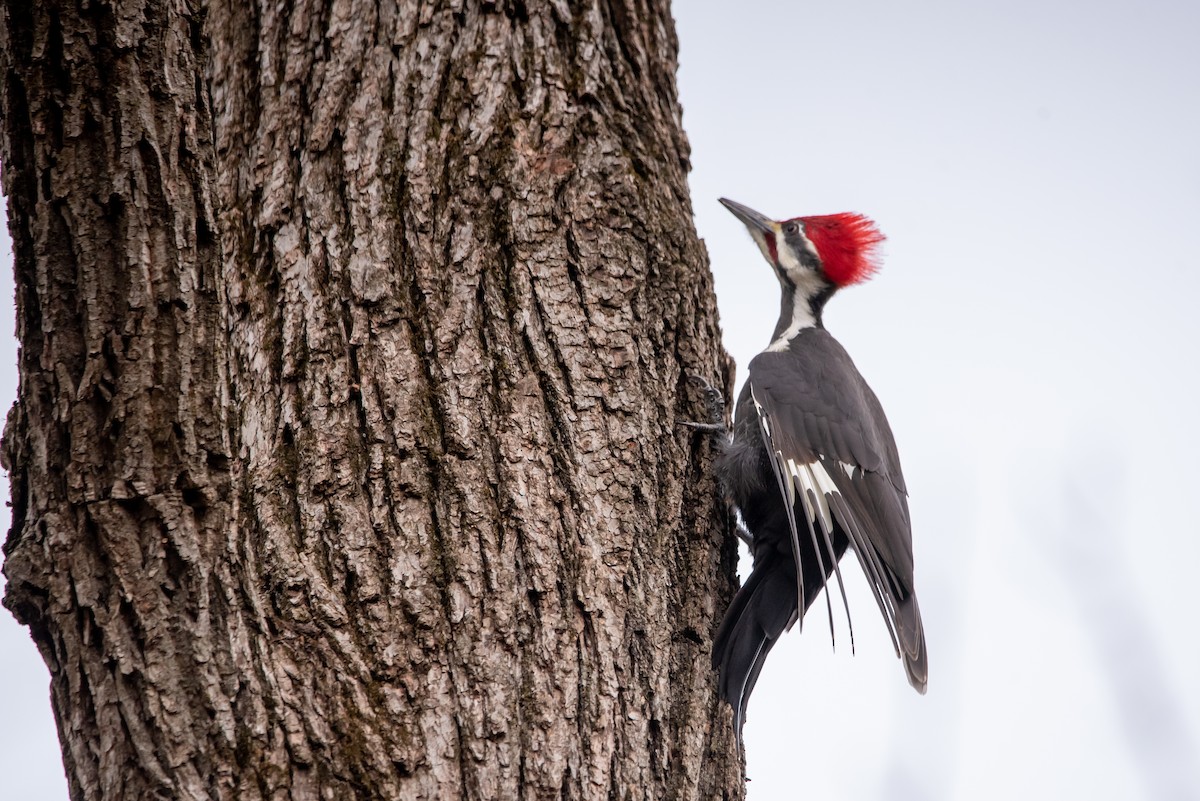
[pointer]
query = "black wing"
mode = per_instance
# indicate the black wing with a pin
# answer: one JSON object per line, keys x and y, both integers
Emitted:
{"x": 832, "y": 449}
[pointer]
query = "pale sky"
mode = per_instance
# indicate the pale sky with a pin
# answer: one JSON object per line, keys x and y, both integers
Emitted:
{"x": 1032, "y": 336}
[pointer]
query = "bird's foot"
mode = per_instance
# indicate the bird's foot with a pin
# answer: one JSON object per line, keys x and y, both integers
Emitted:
{"x": 744, "y": 534}
{"x": 715, "y": 428}
{"x": 714, "y": 403}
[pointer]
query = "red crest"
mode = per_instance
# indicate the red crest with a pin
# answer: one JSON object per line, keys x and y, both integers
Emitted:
{"x": 847, "y": 243}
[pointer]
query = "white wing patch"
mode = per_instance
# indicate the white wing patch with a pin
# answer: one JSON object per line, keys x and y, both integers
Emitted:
{"x": 813, "y": 479}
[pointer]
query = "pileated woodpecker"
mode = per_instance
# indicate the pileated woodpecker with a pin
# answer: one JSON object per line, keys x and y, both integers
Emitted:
{"x": 812, "y": 466}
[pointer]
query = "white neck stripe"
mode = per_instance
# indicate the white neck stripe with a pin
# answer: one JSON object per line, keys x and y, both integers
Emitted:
{"x": 802, "y": 317}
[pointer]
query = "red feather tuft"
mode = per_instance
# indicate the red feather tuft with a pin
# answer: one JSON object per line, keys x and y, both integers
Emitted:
{"x": 847, "y": 243}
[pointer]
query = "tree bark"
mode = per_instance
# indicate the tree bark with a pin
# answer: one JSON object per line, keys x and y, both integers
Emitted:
{"x": 354, "y": 339}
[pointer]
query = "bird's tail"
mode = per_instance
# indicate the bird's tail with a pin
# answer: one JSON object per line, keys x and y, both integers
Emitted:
{"x": 760, "y": 612}
{"x": 910, "y": 637}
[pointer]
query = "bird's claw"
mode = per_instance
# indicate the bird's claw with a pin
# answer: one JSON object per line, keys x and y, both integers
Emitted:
{"x": 710, "y": 427}
{"x": 714, "y": 403}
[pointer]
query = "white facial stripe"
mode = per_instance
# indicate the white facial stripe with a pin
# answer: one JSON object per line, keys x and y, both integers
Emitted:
{"x": 789, "y": 261}
{"x": 805, "y": 283}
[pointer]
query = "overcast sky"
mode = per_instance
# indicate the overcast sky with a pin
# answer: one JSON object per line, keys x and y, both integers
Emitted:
{"x": 1033, "y": 337}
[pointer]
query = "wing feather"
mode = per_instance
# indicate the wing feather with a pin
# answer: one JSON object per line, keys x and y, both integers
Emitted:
{"x": 869, "y": 561}
{"x": 788, "y": 490}
{"x": 812, "y": 485}
{"x": 831, "y": 449}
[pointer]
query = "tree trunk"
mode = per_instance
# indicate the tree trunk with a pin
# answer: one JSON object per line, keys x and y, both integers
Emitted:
{"x": 354, "y": 338}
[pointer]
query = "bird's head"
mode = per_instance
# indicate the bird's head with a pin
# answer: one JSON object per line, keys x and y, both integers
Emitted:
{"x": 831, "y": 249}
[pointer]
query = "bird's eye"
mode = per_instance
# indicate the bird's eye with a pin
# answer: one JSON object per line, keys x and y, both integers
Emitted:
{"x": 790, "y": 228}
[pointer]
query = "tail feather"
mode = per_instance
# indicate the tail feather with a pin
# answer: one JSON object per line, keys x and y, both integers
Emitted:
{"x": 910, "y": 634}
{"x": 759, "y": 614}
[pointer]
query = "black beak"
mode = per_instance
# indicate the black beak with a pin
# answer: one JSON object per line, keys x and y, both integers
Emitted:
{"x": 749, "y": 217}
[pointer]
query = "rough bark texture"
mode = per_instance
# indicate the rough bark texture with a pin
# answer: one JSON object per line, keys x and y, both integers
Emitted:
{"x": 354, "y": 339}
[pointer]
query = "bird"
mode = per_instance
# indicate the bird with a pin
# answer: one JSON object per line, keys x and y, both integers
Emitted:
{"x": 811, "y": 466}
